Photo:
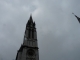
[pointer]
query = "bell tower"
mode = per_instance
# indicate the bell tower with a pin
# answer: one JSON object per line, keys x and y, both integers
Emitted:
{"x": 29, "y": 48}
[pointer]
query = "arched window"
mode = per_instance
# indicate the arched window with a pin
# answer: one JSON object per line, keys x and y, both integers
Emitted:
{"x": 29, "y": 33}
{"x": 32, "y": 33}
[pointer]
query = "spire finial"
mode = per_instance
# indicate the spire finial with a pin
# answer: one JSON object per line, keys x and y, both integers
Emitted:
{"x": 31, "y": 15}
{"x": 31, "y": 18}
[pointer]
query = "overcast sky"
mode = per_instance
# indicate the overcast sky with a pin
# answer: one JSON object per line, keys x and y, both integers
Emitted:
{"x": 57, "y": 29}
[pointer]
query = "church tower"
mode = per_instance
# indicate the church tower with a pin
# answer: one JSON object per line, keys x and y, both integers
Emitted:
{"x": 29, "y": 48}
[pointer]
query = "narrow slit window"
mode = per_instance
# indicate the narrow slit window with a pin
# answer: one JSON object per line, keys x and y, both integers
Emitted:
{"x": 29, "y": 33}
{"x": 32, "y": 33}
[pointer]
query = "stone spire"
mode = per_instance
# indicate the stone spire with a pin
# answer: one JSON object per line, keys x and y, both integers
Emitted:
{"x": 30, "y": 22}
{"x": 30, "y": 31}
{"x": 29, "y": 48}
{"x": 30, "y": 19}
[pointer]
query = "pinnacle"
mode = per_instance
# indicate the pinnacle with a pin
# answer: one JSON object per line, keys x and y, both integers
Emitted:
{"x": 30, "y": 19}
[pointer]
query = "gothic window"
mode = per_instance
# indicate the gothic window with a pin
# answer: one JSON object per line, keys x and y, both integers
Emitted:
{"x": 30, "y": 52}
{"x": 29, "y": 33}
{"x": 32, "y": 33}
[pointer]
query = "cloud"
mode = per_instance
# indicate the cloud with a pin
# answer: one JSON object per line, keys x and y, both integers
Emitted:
{"x": 57, "y": 29}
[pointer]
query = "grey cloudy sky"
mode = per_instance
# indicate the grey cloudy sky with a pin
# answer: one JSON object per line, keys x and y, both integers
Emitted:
{"x": 57, "y": 29}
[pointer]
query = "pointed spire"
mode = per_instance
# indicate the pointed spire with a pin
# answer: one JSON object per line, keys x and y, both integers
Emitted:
{"x": 76, "y": 17}
{"x": 30, "y": 19}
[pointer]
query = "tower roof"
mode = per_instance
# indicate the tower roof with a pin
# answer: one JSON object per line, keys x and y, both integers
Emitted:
{"x": 30, "y": 19}
{"x": 30, "y": 22}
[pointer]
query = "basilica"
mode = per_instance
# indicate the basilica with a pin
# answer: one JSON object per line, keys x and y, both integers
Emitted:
{"x": 29, "y": 49}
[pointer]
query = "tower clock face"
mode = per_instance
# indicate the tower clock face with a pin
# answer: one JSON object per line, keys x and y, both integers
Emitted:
{"x": 30, "y": 52}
